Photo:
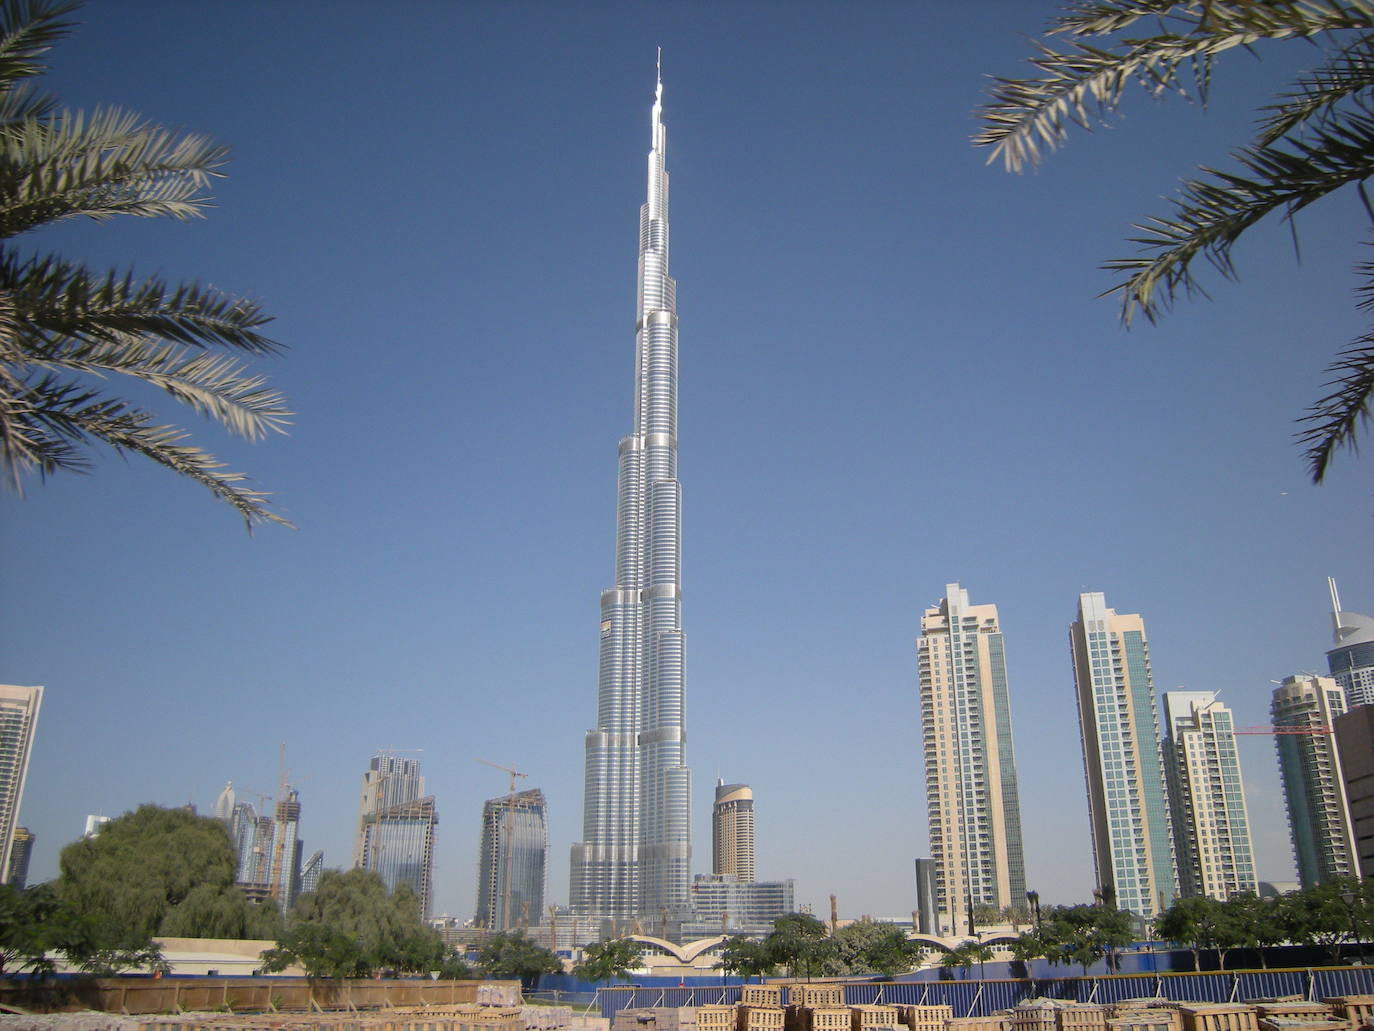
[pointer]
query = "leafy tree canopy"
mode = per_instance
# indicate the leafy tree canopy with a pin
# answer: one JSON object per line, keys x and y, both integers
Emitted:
{"x": 70, "y": 329}
{"x": 605, "y": 960}
{"x": 865, "y": 947}
{"x": 350, "y": 926}
{"x": 746, "y": 957}
{"x": 511, "y": 954}
{"x": 1314, "y": 138}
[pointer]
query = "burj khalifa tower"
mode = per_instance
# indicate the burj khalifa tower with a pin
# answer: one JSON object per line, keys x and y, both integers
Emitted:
{"x": 633, "y": 863}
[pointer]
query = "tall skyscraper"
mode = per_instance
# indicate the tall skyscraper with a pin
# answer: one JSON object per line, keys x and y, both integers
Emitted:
{"x": 1207, "y": 797}
{"x": 635, "y": 856}
{"x": 732, "y": 832}
{"x": 1133, "y": 847}
{"x": 972, "y": 802}
{"x": 20, "y": 853}
{"x": 396, "y": 826}
{"x": 1355, "y": 742}
{"x": 1351, "y": 662}
{"x": 1304, "y": 709}
{"x": 513, "y": 861}
{"x": 284, "y": 874}
{"x": 18, "y": 717}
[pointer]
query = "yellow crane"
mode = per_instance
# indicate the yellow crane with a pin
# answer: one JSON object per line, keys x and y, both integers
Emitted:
{"x": 508, "y": 857}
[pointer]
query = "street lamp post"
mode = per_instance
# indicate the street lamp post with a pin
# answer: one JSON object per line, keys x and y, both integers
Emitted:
{"x": 1350, "y": 898}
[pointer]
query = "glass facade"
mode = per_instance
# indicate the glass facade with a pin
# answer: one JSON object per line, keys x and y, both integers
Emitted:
{"x": 1351, "y": 662}
{"x": 396, "y": 826}
{"x": 724, "y": 905}
{"x": 513, "y": 861}
{"x": 635, "y": 855}
{"x": 1304, "y": 708}
{"x": 1132, "y": 835}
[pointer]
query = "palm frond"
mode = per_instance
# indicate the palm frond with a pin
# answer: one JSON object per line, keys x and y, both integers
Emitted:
{"x": 1084, "y": 84}
{"x": 100, "y": 165}
{"x": 1316, "y": 94}
{"x": 66, "y": 413}
{"x": 60, "y": 300}
{"x": 214, "y": 385}
{"x": 28, "y": 29}
{"x": 1210, "y": 215}
{"x": 1332, "y": 422}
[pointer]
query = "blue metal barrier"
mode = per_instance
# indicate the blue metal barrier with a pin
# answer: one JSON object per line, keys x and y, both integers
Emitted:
{"x": 975, "y": 998}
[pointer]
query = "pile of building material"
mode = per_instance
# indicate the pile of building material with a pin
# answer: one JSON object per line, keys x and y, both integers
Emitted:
{"x": 498, "y": 995}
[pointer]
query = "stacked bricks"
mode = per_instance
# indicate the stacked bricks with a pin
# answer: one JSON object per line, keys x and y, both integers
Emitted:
{"x": 1035, "y": 1015}
{"x": 1201, "y": 1016}
{"x": 384, "y": 1021}
{"x": 760, "y": 1018}
{"x": 1306, "y": 1016}
{"x": 760, "y": 995}
{"x": 996, "y": 1022}
{"x": 870, "y": 1018}
{"x": 815, "y": 994}
{"x": 498, "y": 995}
{"x": 546, "y": 1018}
{"x": 824, "y": 1018}
{"x": 924, "y": 1018}
{"x": 719, "y": 1018}
{"x": 1082, "y": 1016}
{"x": 1355, "y": 1010}
{"x": 1144, "y": 1015}
{"x": 656, "y": 1018}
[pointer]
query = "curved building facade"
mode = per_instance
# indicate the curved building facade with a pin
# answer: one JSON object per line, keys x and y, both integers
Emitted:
{"x": 635, "y": 856}
{"x": 1351, "y": 662}
{"x": 732, "y": 832}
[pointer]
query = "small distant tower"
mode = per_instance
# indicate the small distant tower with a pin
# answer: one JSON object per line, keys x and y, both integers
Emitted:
{"x": 284, "y": 882}
{"x": 94, "y": 821}
{"x": 513, "y": 859}
{"x": 310, "y": 872}
{"x": 18, "y": 718}
{"x": 224, "y": 805}
{"x": 1351, "y": 662}
{"x": 732, "y": 831}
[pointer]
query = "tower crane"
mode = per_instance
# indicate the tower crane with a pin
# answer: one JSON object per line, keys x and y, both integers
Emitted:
{"x": 509, "y": 856}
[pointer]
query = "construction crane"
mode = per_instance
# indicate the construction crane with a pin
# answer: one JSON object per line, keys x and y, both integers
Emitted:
{"x": 507, "y": 872}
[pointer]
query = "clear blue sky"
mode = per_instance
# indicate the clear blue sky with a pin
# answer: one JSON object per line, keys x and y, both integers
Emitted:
{"x": 895, "y": 369}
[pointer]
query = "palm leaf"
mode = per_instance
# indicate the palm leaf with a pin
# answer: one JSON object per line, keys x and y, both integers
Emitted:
{"x": 1332, "y": 421}
{"x": 28, "y": 29}
{"x": 60, "y": 299}
{"x": 1210, "y": 215}
{"x": 1315, "y": 95}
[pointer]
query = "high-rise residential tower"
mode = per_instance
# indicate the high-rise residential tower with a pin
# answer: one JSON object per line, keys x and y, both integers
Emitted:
{"x": 18, "y": 717}
{"x": 972, "y": 801}
{"x": 284, "y": 873}
{"x": 634, "y": 859}
{"x": 732, "y": 832}
{"x": 513, "y": 861}
{"x": 1207, "y": 797}
{"x": 1351, "y": 662}
{"x": 396, "y": 825}
{"x": 17, "y": 874}
{"x": 1304, "y": 709}
{"x": 1118, "y": 720}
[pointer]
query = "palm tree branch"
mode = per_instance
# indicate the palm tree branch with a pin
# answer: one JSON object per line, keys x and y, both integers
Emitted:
{"x": 214, "y": 385}
{"x": 101, "y": 165}
{"x": 79, "y": 415}
{"x": 30, "y": 28}
{"x": 1333, "y": 421}
{"x": 1084, "y": 84}
{"x": 1210, "y": 215}
{"x": 64, "y": 300}
{"x": 1316, "y": 94}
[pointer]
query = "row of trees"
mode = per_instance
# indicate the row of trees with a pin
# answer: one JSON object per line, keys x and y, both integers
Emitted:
{"x": 801, "y": 944}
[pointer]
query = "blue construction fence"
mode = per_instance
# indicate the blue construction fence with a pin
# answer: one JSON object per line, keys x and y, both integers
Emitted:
{"x": 979, "y": 998}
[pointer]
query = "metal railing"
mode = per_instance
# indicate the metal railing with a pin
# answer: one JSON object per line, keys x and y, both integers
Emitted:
{"x": 979, "y": 998}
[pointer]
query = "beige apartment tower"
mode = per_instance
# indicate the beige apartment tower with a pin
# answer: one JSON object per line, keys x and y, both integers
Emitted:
{"x": 972, "y": 801}
{"x": 18, "y": 716}
{"x": 1207, "y": 797}
{"x": 732, "y": 832}
{"x": 1118, "y": 720}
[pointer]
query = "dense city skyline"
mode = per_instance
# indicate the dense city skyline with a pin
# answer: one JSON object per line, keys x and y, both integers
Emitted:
{"x": 899, "y": 376}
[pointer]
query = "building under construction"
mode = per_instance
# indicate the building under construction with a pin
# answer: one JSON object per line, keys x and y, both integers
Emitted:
{"x": 514, "y": 854}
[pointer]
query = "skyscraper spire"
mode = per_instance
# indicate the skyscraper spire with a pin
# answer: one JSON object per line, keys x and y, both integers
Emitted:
{"x": 635, "y": 855}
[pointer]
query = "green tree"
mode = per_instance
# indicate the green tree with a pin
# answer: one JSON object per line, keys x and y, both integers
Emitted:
{"x": 1083, "y": 934}
{"x": 151, "y": 871}
{"x": 959, "y": 957}
{"x": 746, "y": 957}
{"x": 1257, "y": 925}
{"x": 602, "y": 961}
{"x": 511, "y": 954}
{"x": 865, "y": 947}
{"x": 29, "y": 921}
{"x": 1200, "y": 922}
{"x": 1314, "y": 138}
{"x": 799, "y": 942}
{"x": 69, "y": 328}
{"x": 351, "y": 923}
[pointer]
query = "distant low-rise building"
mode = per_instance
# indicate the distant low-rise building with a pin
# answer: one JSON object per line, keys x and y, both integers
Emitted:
{"x": 723, "y": 905}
